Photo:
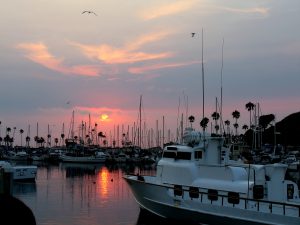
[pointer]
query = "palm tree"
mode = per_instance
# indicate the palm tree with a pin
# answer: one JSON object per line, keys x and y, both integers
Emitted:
{"x": 49, "y": 139}
{"x": 41, "y": 141}
{"x": 21, "y": 132}
{"x": 27, "y": 140}
{"x": 191, "y": 119}
{"x": 101, "y": 135}
{"x": 204, "y": 123}
{"x": 62, "y": 137}
{"x": 245, "y": 127}
{"x": 56, "y": 141}
{"x": 236, "y": 126}
{"x": 236, "y": 114}
{"x": 8, "y": 130}
{"x": 215, "y": 117}
{"x": 250, "y": 106}
{"x": 227, "y": 123}
{"x": 36, "y": 139}
{"x": 6, "y": 139}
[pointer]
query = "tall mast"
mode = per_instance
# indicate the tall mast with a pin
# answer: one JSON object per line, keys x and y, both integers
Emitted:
{"x": 202, "y": 79}
{"x": 140, "y": 129}
{"x": 221, "y": 88}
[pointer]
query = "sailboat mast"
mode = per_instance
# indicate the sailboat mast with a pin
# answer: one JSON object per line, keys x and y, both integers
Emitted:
{"x": 140, "y": 131}
{"x": 221, "y": 103}
{"x": 202, "y": 79}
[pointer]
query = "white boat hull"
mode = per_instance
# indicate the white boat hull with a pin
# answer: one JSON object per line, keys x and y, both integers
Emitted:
{"x": 20, "y": 173}
{"x": 159, "y": 199}
{"x": 24, "y": 173}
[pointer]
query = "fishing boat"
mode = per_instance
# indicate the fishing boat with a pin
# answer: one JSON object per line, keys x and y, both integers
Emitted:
{"x": 20, "y": 172}
{"x": 196, "y": 181}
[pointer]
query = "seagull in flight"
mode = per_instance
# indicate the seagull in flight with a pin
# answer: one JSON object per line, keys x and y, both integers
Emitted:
{"x": 89, "y": 12}
{"x": 193, "y": 34}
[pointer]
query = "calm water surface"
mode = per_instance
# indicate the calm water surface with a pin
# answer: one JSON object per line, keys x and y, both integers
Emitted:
{"x": 77, "y": 194}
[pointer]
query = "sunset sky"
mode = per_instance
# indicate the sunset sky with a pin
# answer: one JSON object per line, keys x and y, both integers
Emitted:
{"x": 55, "y": 59}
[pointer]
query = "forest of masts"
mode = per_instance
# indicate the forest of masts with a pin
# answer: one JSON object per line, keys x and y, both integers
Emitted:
{"x": 137, "y": 135}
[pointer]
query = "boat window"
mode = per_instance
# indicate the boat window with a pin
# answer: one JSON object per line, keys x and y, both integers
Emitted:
{"x": 178, "y": 190}
{"x": 169, "y": 154}
{"x": 258, "y": 191}
{"x": 212, "y": 194}
{"x": 172, "y": 148}
{"x": 184, "y": 155}
{"x": 233, "y": 198}
{"x": 198, "y": 154}
{"x": 194, "y": 192}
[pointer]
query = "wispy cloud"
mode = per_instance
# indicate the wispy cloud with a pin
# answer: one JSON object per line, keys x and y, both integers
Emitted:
{"x": 256, "y": 10}
{"x": 130, "y": 53}
{"x": 38, "y": 53}
{"x": 168, "y": 9}
{"x": 140, "y": 70}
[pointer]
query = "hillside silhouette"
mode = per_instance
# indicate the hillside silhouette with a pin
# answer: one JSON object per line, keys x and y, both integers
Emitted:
{"x": 287, "y": 132}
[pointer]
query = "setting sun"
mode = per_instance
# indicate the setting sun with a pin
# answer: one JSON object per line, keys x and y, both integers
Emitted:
{"x": 104, "y": 117}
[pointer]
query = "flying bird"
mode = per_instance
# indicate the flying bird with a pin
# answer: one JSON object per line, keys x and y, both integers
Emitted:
{"x": 89, "y": 12}
{"x": 193, "y": 34}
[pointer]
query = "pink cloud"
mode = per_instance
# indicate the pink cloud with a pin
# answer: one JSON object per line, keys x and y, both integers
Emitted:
{"x": 129, "y": 53}
{"x": 38, "y": 53}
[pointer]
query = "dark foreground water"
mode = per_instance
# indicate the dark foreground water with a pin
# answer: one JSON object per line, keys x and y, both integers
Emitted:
{"x": 76, "y": 194}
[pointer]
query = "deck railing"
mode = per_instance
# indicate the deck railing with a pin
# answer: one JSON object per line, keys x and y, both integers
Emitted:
{"x": 260, "y": 205}
{"x": 204, "y": 196}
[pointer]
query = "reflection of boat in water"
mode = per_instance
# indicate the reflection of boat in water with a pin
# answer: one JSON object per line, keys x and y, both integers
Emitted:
{"x": 79, "y": 169}
{"x": 24, "y": 188}
{"x": 197, "y": 182}
{"x": 148, "y": 218}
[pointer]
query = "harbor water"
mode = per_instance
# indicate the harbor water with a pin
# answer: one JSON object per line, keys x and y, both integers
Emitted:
{"x": 80, "y": 194}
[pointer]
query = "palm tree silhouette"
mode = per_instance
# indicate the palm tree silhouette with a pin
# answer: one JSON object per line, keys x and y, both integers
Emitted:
{"x": 27, "y": 140}
{"x": 21, "y": 132}
{"x": 250, "y": 106}
{"x": 227, "y": 123}
{"x": 236, "y": 114}
{"x": 204, "y": 123}
{"x": 245, "y": 127}
{"x": 56, "y": 141}
{"x": 216, "y": 117}
{"x": 191, "y": 119}
{"x": 62, "y": 137}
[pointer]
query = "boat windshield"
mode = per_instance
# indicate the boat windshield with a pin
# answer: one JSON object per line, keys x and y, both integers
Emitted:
{"x": 177, "y": 155}
{"x": 168, "y": 154}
